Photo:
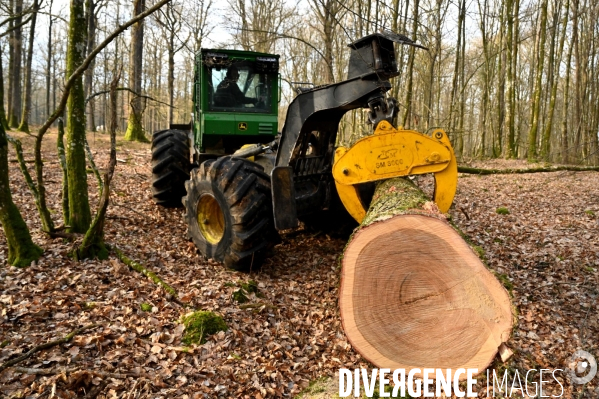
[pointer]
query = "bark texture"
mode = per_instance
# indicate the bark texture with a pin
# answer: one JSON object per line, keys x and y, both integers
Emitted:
{"x": 413, "y": 293}
{"x": 93, "y": 245}
{"x": 21, "y": 249}
{"x": 14, "y": 109}
{"x": 24, "y": 126}
{"x": 3, "y": 120}
{"x": 135, "y": 130}
{"x": 79, "y": 217}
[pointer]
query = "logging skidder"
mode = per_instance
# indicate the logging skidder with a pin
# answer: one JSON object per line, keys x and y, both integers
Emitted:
{"x": 240, "y": 182}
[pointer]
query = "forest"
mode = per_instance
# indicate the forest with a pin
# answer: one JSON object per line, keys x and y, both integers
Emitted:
{"x": 506, "y": 79}
{"x": 102, "y": 293}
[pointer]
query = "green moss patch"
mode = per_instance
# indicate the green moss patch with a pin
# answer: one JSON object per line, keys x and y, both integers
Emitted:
{"x": 479, "y": 251}
{"x": 502, "y": 211}
{"x": 505, "y": 281}
{"x": 146, "y": 307}
{"x": 200, "y": 325}
{"x": 242, "y": 294}
{"x": 249, "y": 287}
{"x": 239, "y": 296}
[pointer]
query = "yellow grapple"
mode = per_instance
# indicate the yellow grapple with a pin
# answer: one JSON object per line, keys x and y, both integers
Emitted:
{"x": 389, "y": 153}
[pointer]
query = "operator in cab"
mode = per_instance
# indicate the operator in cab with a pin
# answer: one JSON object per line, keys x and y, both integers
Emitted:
{"x": 228, "y": 92}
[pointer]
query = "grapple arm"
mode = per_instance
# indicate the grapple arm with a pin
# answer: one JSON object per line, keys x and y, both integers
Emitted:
{"x": 390, "y": 153}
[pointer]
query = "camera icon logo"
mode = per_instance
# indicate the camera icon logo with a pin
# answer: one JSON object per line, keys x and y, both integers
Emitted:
{"x": 582, "y": 362}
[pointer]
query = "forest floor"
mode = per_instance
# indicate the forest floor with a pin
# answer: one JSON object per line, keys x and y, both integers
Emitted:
{"x": 546, "y": 245}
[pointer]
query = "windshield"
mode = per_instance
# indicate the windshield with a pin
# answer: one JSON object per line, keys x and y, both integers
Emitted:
{"x": 239, "y": 87}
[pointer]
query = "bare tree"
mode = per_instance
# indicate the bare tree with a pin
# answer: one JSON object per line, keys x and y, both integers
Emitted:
{"x": 171, "y": 22}
{"x": 536, "y": 105}
{"x": 24, "y": 125}
{"x": 198, "y": 21}
{"x": 135, "y": 130}
{"x": 14, "y": 108}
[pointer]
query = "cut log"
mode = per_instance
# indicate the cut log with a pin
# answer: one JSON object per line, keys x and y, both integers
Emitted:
{"x": 568, "y": 168}
{"x": 414, "y": 294}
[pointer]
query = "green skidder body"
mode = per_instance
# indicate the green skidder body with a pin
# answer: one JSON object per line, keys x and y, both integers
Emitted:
{"x": 227, "y": 199}
{"x": 223, "y": 123}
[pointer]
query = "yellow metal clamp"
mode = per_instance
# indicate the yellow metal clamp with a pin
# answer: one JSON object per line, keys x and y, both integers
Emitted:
{"x": 392, "y": 153}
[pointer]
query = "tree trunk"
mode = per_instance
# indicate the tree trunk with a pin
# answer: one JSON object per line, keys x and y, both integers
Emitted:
{"x": 21, "y": 249}
{"x": 93, "y": 245}
{"x": 135, "y": 131}
{"x": 577, "y": 120}
{"x": 15, "y": 74}
{"x": 62, "y": 159}
{"x": 546, "y": 143}
{"x": 512, "y": 58}
{"x": 407, "y": 116}
{"x": 536, "y": 105}
{"x": 413, "y": 292}
{"x": 565, "y": 150}
{"x": 89, "y": 73}
{"x": 501, "y": 78}
{"x": 49, "y": 63}
{"x": 3, "y": 120}
{"x": 79, "y": 216}
{"x": 171, "y": 81}
{"x": 24, "y": 126}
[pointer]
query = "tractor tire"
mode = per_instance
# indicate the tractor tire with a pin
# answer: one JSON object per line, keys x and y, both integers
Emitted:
{"x": 170, "y": 166}
{"x": 228, "y": 212}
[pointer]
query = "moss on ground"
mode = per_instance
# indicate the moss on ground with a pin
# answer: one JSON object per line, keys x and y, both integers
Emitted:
{"x": 146, "y": 307}
{"x": 479, "y": 251}
{"x": 241, "y": 295}
{"x": 201, "y": 324}
{"x": 505, "y": 281}
{"x": 502, "y": 211}
{"x": 249, "y": 287}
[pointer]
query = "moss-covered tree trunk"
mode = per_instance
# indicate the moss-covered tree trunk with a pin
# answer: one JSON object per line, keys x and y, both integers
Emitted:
{"x": 414, "y": 293}
{"x": 93, "y": 245}
{"x": 62, "y": 159}
{"x": 79, "y": 216}
{"x": 135, "y": 130}
{"x": 21, "y": 249}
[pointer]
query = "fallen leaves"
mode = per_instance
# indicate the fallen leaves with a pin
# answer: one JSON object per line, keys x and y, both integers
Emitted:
{"x": 547, "y": 247}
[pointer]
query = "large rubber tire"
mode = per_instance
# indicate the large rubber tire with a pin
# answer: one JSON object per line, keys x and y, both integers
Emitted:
{"x": 170, "y": 166}
{"x": 228, "y": 211}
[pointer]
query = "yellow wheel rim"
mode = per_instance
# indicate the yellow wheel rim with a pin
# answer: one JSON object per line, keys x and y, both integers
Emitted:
{"x": 210, "y": 219}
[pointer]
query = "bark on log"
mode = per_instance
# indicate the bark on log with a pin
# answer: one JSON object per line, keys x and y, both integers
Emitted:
{"x": 414, "y": 294}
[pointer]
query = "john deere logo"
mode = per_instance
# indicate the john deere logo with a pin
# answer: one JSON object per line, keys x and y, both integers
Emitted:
{"x": 242, "y": 126}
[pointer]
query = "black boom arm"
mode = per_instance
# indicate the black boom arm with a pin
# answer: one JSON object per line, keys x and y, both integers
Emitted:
{"x": 315, "y": 115}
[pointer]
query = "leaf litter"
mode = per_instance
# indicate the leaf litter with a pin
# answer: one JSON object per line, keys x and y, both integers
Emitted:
{"x": 547, "y": 248}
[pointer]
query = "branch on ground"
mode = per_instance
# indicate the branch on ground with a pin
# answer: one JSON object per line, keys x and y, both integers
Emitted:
{"x": 64, "y": 340}
{"x": 149, "y": 274}
{"x": 478, "y": 171}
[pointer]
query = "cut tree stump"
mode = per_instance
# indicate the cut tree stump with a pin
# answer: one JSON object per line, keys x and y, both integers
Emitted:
{"x": 413, "y": 292}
